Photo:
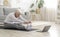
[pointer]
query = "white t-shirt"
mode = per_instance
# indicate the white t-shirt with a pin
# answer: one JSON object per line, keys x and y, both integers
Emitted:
{"x": 12, "y": 19}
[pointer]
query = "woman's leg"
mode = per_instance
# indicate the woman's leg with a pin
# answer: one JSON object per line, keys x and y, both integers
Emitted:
{"x": 7, "y": 25}
{"x": 20, "y": 26}
{"x": 24, "y": 26}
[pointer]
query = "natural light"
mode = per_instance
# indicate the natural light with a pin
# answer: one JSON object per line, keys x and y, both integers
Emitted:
{"x": 26, "y": 3}
{"x": 51, "y": 3}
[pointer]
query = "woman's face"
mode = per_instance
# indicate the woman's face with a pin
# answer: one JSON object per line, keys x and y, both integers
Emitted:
{"x": 17, "y": 14}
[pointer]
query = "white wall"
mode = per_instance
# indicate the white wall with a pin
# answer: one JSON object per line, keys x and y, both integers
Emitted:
{"x": 1, "y": 2}
{"x": 23, "y": 4}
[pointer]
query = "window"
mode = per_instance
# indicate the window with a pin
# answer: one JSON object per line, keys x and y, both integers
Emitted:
{"x": 51, "y": 4}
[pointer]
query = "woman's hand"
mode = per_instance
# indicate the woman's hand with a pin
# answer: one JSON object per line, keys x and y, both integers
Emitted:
{"x": 27, "y": 22}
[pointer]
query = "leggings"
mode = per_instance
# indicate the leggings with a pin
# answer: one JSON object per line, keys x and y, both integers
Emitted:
{"x": 18, "y": 26}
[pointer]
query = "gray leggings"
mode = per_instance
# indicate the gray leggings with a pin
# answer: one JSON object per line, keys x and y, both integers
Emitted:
{"x": 18, "y": 26}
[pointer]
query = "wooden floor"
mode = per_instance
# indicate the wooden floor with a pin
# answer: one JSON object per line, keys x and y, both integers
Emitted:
{"x": 53, "y": 32}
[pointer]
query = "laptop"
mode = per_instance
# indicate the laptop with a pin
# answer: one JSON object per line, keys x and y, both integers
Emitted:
{"x": 45, "y": 29}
